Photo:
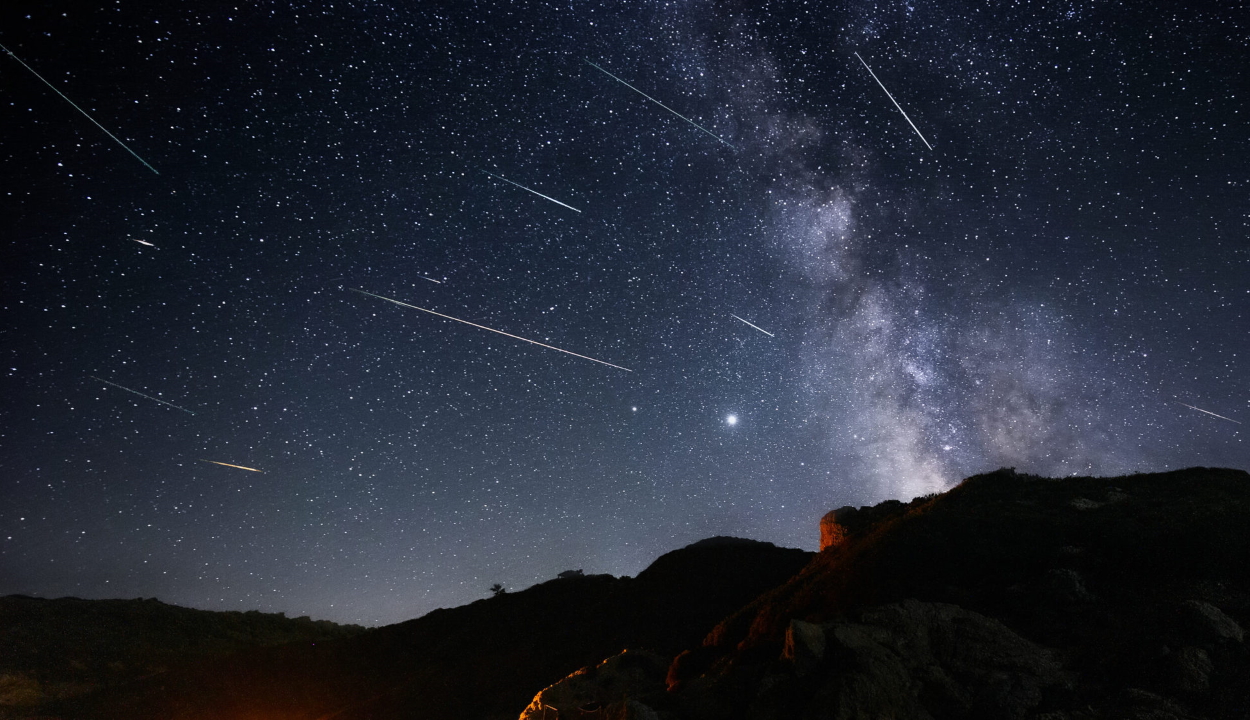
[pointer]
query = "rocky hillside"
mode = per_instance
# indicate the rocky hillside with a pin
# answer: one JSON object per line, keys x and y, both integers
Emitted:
{"x": 1010, "y": 596}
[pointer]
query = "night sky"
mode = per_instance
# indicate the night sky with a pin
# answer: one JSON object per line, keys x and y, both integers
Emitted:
{"x": 1050, "y": 287}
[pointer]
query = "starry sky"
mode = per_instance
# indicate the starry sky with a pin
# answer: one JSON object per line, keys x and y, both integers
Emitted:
{"x": 803, "y": 301}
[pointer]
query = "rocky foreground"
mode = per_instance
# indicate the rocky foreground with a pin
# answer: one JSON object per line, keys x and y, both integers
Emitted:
{"x": 1010, "y": 596}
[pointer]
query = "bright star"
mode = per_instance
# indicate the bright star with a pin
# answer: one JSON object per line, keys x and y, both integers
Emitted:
{"x": 731, "y": 420}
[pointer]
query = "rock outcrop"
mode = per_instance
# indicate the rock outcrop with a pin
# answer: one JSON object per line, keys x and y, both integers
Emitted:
{"x": 832, "y": 532}
{"x": 617, "y": 687}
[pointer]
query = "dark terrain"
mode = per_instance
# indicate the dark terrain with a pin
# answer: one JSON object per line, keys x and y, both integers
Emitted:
{"x": 52, "y": 650}
{"x": 1010, "y": 596}
{"x": 482, "y": 660}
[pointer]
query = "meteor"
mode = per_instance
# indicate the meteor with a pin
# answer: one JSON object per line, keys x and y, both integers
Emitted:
{"x": 439, "y": 282}
{"x": 143, "y": 242}
{"x": 657, "y": 102}
{"x": 501, "y": 332}
{"x": 84, "y": 112}
{"x": 241, "y": 467}
{"x": 757, "y": 327}
{"x": 900, "y": 107}
{"x": 1191, "y": 407}
{"x": 136, "y": 392}
{"x": 557, "y": 202}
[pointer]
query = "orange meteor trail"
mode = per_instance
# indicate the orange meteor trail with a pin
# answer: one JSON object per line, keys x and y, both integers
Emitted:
{"x": 233, "y": 466}
{"x": 501, "y": 332}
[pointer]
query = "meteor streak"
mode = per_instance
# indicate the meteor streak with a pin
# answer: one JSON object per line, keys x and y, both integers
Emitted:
{"x": 757, "y": 327}
{"x": 501, "y": 332}
{"x": 1191, "y": 407}
{"x": 440, "y": 282}
{"x": 241, "y": 467}
{"x": 136, "y": 392}
{"x": 143, "y": 242}
{"x": 657, "y": 102}
{"x": 84, "y": 112}
{"x": 900, "y": 107}
{"x": 557, "y": 202}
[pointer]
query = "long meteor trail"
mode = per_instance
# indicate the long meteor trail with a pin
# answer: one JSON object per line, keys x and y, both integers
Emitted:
{"x": 241, "y": 467}
{"x": 136, "y": 392}
{"x": 483, "y": 327}
{"x": 900, "y": 107}
{"x": 657, "y": 102}
{"x": 748, "y": 322}
{"x": 1191, "y": 407}
{"x": 84, "y": 112}
{"x": 545, "y": 197}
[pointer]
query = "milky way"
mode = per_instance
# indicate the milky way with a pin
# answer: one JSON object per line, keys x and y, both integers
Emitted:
{"x": 823, "y": 301}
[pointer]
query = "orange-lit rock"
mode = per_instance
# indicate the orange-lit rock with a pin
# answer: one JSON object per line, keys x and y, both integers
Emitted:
{"x": 611, "y": 689}
{"x": 832, "y": 532}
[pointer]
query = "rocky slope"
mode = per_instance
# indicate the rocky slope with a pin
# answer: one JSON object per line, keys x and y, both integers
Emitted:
{"x": 1010, "y": 596}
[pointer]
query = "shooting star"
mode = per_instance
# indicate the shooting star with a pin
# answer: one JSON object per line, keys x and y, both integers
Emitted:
{"x": 84, "y": 112}
{"x": 501, "y": 332}
{"x": 241, "y": 467}
{"x": 1191, "y": 407}
{"x": 136, "y": 392}
{"x": 900, "y": 107}
{"x": 757, "y": 327}
{"x": 440, "y": 282}
{"x": 557, "y": 202}
{"x": 143, "y": 242}
{"x": 657, "y": 102}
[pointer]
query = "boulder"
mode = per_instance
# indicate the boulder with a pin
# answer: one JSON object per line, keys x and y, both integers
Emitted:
{"x": 1209, "y": 623}
{"x": 1066, "y": 585}
{"x": 1191, "y": 670}
{"x": 615, "y": 688}
{"x": 915, "y": 660}
{"x": 805, "y": 645}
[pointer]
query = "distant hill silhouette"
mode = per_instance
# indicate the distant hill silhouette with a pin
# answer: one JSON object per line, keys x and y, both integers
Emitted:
{"x": 1010, "y": 596}
{"x": 55, "y": 649}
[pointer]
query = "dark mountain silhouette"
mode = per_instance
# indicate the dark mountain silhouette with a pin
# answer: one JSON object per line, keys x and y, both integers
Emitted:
{"x": 1010, "y": 596}
{"x": 482, "y": 660}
